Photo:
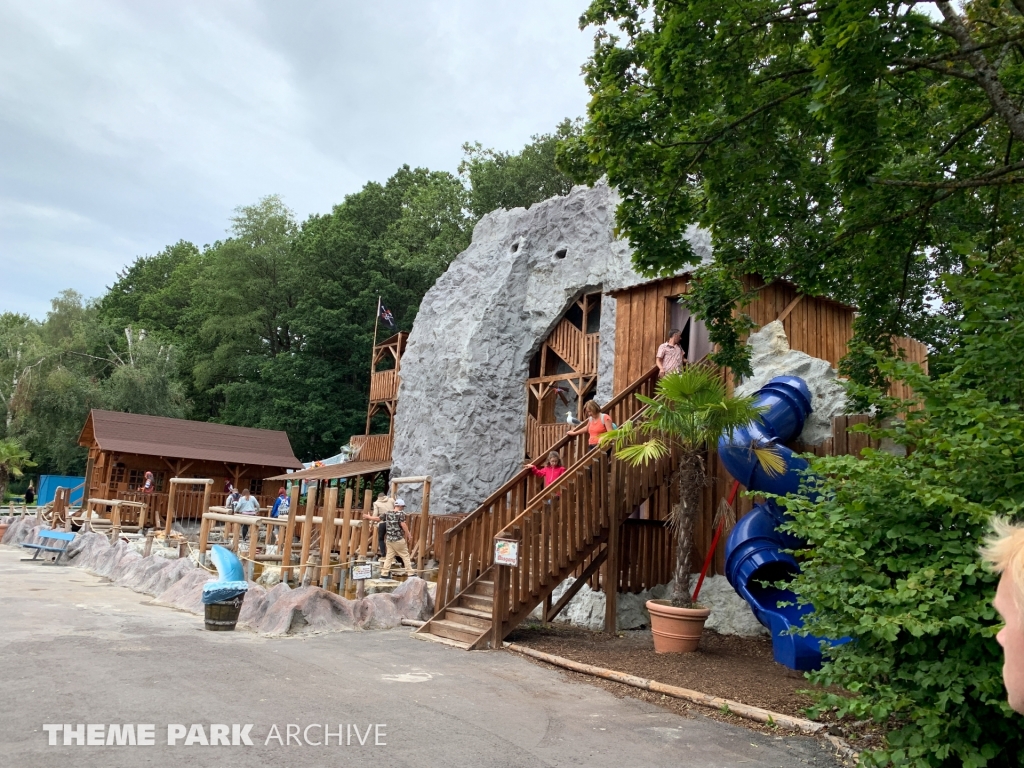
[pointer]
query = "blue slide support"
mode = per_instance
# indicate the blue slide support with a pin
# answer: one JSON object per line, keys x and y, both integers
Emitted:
{"x": 754, "y": 552}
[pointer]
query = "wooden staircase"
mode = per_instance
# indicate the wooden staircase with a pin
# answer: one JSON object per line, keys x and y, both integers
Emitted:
{"x": 569, "y": 527}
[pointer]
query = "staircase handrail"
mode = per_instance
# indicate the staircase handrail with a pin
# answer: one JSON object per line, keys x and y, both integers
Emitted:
{"x": 525, "y": 472}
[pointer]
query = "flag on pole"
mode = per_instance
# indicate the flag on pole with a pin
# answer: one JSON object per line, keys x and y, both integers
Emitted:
{"x": 386, "y": 316}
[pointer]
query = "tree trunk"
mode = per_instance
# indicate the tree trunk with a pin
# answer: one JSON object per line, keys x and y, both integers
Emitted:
{"x": 4, "y": 477}
{"x": 684, "y": 521}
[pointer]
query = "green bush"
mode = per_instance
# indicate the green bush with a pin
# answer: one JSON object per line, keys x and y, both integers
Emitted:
{"x": 892, "y": 558}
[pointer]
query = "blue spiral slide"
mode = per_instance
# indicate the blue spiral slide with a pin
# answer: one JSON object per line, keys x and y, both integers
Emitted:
{"x": 755, "y": 556}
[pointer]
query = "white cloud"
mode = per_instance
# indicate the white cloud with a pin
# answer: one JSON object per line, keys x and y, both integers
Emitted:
{"x": 126, "y": 126}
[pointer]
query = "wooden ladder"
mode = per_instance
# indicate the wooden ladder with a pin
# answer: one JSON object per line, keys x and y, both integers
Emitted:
{"x": 569, "y": 527}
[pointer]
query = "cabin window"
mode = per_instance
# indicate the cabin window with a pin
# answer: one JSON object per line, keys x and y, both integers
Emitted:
{"x": 117, "y": 474}
{"x": 256, "y": 487}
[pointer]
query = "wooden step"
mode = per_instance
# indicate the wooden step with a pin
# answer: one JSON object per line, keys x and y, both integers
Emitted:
{"x": 442, "y": 640}
{"x": 469, "y": 616}
{"x": 483, "y": 587}
{"x": 483, "y": 603}
{"x": 465, "y": 633}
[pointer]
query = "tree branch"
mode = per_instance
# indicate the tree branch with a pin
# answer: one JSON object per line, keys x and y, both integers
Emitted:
{"x": 990, "y": 179}
{"x": 988, "y": 79}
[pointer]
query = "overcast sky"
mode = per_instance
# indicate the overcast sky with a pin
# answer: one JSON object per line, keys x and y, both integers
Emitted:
{"x": 127, "y": 126}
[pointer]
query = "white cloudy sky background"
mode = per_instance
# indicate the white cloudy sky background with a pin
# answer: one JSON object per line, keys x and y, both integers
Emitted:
{"x": 126, "y": 126}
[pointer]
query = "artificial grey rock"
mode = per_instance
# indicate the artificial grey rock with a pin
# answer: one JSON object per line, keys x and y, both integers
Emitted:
{"x": 771, "y": 356}
{"x": 730, "y": 614}
{"x": 462, "y": 412}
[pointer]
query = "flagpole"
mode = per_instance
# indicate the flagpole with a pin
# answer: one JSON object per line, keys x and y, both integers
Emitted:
{"x": 373, "y": 351}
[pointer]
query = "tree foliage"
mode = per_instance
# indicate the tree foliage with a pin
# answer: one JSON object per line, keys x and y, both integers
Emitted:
{"x": 516, "y": 180}
{"x": 855, "y": 147}
{"x": 689, "y": 413}
{"x": 892, "y": 546}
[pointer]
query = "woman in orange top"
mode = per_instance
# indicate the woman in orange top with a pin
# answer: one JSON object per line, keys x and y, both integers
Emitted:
{"x": 597, "y": 423}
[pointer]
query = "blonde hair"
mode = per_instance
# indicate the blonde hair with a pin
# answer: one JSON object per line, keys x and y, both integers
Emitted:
{"x": 591, "y": 406}
{"x": 1004, "y": 552}
{"x": 554, "y": 455}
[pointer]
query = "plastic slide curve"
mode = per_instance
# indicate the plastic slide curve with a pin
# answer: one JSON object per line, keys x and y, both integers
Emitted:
{"x": 230, "y": 582}
{"x": 754, "y": 552}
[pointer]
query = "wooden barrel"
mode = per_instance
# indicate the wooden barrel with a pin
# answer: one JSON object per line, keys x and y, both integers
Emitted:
{"x": 222, "y": 616}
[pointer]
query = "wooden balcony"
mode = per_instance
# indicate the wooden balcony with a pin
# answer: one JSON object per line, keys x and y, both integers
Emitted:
{"x": 384, "y": 386}
{"x": 575, "y": 347}
{"x": 372, "y": 447}
{"x": 540, "y": 437}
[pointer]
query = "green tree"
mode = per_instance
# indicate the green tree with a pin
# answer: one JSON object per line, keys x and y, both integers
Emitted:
{"x": 858, "y": 148}
{"x": 689, "y": 413}
{"x": 13, "y": 459}
{"x": 516, "y": 180}
{"x": 892, "y": 546}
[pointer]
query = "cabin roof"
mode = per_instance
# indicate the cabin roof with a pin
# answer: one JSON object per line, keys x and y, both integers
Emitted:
{"x": 336, "y": 471}
{"x": 183, "y": 439}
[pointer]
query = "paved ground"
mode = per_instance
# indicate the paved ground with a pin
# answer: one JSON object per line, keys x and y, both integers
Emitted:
{"x": 75, "y": 649}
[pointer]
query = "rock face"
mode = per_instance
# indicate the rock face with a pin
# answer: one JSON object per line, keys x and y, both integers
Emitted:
{"x": 770, "y": 356}
{"x": 730, "y": 615}
{"x": 462, "y": 412}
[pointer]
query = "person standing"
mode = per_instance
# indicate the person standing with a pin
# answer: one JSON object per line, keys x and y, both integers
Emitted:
{"x": 1004, "y": 552}
{"x": 281, "y": 504}
{"x": 148, "y": 484}
{"x": 30, "y": 494}
{"x": 597, "y": 423}
{"x": 382, "y": 506}
{"x": 670, "y": 357}
{"x": 246, "y": 505}
{"x": 397, "y": 537}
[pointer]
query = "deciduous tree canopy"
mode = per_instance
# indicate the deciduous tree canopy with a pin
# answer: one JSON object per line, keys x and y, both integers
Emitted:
{"x": 858, "y": 148}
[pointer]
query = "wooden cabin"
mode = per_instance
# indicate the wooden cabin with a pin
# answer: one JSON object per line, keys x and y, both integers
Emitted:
{"x": 124, "y": 446}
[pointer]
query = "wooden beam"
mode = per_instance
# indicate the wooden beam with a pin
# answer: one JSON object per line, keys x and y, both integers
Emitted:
{"x": 789, "y": 308}
{"x": 424, "y": 521}
{"x": 576, "y": 586}
{"x": 289, "y": 533}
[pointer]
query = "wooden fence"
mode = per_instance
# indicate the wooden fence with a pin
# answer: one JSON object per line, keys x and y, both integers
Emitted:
{"x": 373, "y": 447}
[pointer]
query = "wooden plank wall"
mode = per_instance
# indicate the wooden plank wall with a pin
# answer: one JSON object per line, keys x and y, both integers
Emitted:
{"x": 641, "y": 324}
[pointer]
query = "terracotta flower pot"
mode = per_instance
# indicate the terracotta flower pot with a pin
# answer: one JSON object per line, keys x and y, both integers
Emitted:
{"x": 676, "y": 630}
{"x": 3, "y": 530}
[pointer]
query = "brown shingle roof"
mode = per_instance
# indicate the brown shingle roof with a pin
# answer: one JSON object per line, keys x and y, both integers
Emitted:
{"x": 336, "y": 471}
{"x": 182, "y": 439}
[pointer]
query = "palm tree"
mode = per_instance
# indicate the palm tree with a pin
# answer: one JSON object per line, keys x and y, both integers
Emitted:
{"x": 689, "y": 413}
{"x": 13, "y": 458}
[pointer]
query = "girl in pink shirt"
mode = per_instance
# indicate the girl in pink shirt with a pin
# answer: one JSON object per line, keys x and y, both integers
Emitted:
{"x": 552, "y": 469}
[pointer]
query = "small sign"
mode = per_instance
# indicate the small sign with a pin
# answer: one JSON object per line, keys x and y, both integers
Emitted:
{"x": 360, "y": 572}
{"x": 506, "y": 552}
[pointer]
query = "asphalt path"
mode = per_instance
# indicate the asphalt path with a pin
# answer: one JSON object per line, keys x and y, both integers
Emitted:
{"x": 76, "y": 650}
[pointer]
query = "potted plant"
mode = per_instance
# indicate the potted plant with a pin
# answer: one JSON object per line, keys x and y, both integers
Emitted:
{"x": 688, "y": 414}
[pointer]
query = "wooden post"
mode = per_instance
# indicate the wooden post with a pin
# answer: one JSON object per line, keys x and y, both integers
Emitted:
{"x": 327, "y": 536}
{"x": 115, "y": 522}
{"x": 204, "y": 538}
{"x": 367, "y": 509}
{"x": 424, "y": 519}
{"x": 499, "y": 606}
{"x": 206, "y": 496}
{"x": 172, "y": 491}
{"x": 289, "y": 533}
{"x": 611, "y": 564}
{"x": 307, "y": 528}
{"x": 149, "y": 544}
{"x": 346, "y": 535}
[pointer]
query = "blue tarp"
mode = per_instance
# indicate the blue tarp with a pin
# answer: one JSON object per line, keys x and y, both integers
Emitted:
{"x": 48, "y": 485}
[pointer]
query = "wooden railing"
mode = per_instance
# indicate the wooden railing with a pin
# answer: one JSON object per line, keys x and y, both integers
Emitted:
{"x": 575, "y": 347}
{"x": 383, "y": 386}
{"x": 540, "y": 437}
{"x": 567, "y": 524}
{"x": 188, "y": 504}
{"x": 468, "y": 550}
{"x": 372, "y": 447}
